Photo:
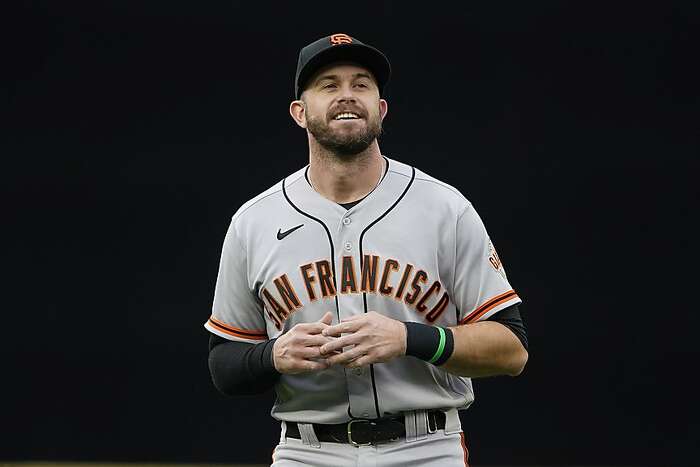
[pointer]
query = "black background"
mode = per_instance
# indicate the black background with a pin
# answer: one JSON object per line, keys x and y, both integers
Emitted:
{"x": 134, "y": 131}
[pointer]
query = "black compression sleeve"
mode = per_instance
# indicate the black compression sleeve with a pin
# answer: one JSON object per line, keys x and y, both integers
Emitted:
{"x": 239, "y": 368}
{"x": 510, "y": 317}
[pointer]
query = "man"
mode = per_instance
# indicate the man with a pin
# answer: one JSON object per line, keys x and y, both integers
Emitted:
{"x": 365, "y": 291}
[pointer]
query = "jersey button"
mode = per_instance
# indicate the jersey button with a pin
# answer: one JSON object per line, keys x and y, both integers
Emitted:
{"x": 348, "y": 246}
{"x": 346, "y": 221}
{"x": 358, "y": 371}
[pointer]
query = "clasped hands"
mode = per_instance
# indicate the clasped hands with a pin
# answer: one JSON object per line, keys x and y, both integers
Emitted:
{"x": 354, "y": 342}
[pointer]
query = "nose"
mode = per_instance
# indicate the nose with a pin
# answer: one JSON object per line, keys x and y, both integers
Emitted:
{"x": 345, "y": 99}
{"x": 346, "y": 94}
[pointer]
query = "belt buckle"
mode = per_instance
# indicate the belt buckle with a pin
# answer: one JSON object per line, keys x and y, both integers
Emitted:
{"x": 350, "y": 440}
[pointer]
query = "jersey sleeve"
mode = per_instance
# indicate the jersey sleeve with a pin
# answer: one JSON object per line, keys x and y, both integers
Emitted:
{"x": 481, "y": 287}
{"x": 236, "y": 313}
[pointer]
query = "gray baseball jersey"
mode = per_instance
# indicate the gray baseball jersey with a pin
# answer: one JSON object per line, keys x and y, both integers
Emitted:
{"x": 414, "y": 250}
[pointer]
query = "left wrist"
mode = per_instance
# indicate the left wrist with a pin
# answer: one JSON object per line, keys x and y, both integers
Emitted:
{"x": 429, "y": 343}
{"x": 404, "y": 339}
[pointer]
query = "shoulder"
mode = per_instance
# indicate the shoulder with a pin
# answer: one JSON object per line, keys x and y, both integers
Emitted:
{"x": 267, "y": 201}
{"x": 430, "y": 188}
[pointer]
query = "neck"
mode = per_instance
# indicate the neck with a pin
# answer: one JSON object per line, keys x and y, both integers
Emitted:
{"x": 341, "y": 180}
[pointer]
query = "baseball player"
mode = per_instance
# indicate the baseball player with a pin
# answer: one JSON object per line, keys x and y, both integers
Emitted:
{"x": 366, "y": 292}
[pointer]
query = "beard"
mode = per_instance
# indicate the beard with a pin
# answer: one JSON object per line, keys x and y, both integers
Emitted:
{"x": 344, "y": 144}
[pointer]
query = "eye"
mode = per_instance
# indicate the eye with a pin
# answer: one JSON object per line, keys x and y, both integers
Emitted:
{"x": 361, "y": 85}
{"x": 328, "y": 86}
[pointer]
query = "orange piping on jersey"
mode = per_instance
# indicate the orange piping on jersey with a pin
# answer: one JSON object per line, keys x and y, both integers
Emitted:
{"x": 489, "y": 305}
{"x": 236, "y": 332}
{"x": 464, "y": 448}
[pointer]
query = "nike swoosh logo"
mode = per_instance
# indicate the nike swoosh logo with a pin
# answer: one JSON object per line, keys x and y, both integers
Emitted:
{"x": 281, "y": 235}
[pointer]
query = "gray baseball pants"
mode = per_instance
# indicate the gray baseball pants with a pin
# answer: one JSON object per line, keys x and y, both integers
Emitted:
{"x": 444, "y": 448}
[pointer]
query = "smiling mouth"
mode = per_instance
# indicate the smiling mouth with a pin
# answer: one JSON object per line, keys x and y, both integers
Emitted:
{"x": 347, "y": 116}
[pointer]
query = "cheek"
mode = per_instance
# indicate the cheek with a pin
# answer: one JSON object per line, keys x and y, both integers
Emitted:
{"x": 316, "y": 113}
{"x": 316, "y": 117}
{"x": 376, "y": 113}
{"x": 373, "y": 109}
{"x": 317, "y": 106}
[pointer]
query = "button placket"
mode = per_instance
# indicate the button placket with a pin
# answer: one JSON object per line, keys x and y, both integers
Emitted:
{"x": 358, "y": 379}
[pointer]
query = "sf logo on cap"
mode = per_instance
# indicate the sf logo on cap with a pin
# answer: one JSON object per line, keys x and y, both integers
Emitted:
{"x": 337, "y": 39}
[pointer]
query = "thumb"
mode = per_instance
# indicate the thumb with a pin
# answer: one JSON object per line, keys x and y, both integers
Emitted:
{"x": 327, "y": 318}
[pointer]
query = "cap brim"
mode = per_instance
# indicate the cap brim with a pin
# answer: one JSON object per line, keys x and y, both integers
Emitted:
{"x": 361, "y": 54}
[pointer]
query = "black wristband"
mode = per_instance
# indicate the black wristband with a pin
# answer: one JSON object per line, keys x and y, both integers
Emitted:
{"x": 430, "y": 343}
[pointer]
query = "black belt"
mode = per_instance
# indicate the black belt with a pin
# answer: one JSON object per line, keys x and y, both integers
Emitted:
{"x": 363, "y": 432}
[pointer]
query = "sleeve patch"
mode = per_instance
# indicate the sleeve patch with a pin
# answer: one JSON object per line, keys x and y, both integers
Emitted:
{"x": 496, "y": 261}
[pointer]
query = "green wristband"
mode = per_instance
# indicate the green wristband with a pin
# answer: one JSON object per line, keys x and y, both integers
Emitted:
{"x": 441, "y": 346}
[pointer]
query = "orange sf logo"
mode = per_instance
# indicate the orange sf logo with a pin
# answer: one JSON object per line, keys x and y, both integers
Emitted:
{"x": 337, "y": 39}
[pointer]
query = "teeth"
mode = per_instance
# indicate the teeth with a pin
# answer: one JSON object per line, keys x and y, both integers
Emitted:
{"x": 346, "y": 115}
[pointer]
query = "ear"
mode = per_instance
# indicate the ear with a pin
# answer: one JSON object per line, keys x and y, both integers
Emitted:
{"x": 297, "y": 109}
{"x": 383, "y": 108}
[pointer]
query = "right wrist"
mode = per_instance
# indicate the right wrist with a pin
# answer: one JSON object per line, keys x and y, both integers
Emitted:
{"x": 268, "y": 358}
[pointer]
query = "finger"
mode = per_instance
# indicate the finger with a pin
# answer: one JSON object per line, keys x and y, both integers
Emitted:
{"x": 346, "y": 326}
{"x": 327, "y": 319}
{"x": 312, "y": 365}
{"x": 312, "y": 328}
{"x": 346, "y": 357}
{"x": 315, "y": 340}
{"x": 337, "y": 344}
{"x": 363, "y": 360}
{"x": 308, "y": 353}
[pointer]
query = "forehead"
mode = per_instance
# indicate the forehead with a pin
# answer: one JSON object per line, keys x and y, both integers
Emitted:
{"x": 341, "y": 70}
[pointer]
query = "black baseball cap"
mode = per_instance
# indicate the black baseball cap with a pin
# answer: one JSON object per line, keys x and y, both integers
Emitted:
{"x": 336, "y": 48}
